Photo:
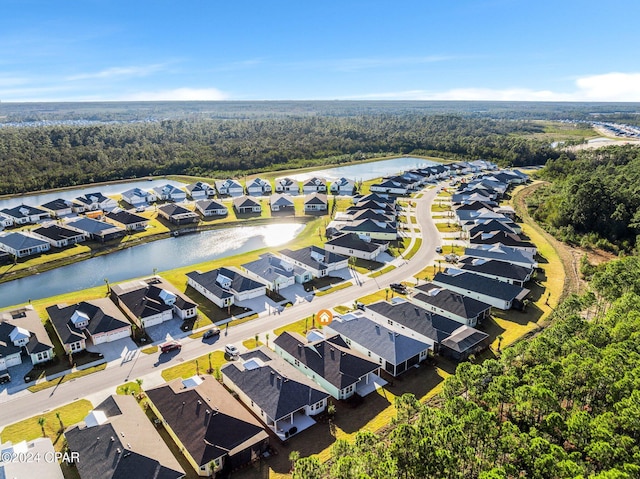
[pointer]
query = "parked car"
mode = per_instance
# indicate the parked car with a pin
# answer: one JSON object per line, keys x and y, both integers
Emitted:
{"x": 209, "y": 333}
{"x": 5, "y": 378}
{"x": 170, "y": 346}
{"x": 231, "y": 351}
{"x": 398, "y": 288}
{"x": 360, "y": 306}
{"x": 141, "y": 209}
{"x": 438, "y": 249}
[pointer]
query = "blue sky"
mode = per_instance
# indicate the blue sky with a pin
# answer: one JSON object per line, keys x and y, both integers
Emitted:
{"x": 81, "y": 50}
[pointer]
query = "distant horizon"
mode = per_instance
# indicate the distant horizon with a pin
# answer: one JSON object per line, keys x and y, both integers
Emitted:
{"x": 469, "y": 50}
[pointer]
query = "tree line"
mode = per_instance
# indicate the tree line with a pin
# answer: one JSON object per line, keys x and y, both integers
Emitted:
{"x": 35, "y": 158}
{"x": 593, "y": 198}
{"x": 565, "y": 404}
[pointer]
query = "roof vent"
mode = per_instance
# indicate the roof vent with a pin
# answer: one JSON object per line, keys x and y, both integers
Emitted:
{"x": 112, "y": 439}
{"x": 118, "y": 451}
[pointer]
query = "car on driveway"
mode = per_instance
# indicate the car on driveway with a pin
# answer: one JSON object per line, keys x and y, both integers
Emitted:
{"x": 231, "y": 350}
{"x": 5, "y": 377}
{"x": 398, "y": 288}
{"x": 210, "y": 333}
{"x": 170, "y": 346}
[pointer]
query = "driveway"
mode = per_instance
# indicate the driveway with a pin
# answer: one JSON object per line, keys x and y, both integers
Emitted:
{"x": 17, "y": 374}
{"x": 166, "y": 330}
{"x": 125, "y": 349}
{"x": 259, "y": 305}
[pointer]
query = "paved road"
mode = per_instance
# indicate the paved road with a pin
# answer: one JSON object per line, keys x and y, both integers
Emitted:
{"x": 96, "y": 386}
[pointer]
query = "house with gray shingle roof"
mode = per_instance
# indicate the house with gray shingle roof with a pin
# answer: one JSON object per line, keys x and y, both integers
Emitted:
{"x": 24, "y": 214}
{"x": 259, "y": 187}
{"x": 287, "y": 185}
{"x": 394, "y": 351}
{"x": 58, "y": 207}
{"x": 343, "y": 186}
{"x": 178, "y": 215}
{"x": 281, "y": 202}
{"x": 278, "y": 394}
{"x": 23, "y": 328}
{"x": 225, "y": 286}
{"x": 229, "y": 187}
{"x": 169, "y": 193}
{"x": 276, "y": 272}
{"x": 200, "y": 190}
{"x": 320, "y": 262}
{"x": 211, "y": 208}
{"x": 500, "y": 270}
{"x": 451, "y": 304}
{"x": 331, "y": 363}
{"x": 502, "y": 253}
{"x": 93, "y": 202}
{"x": 353, "y": 245}
{"x": 246, "y": 205}
{"x": 21, "y": 245}
{"x": 138, "y": 196}
{"x": 316, "y": 202}
{"x": 97, "y": 230}
{"x": 59, "y": 235}
{"x": 314, "y": 185}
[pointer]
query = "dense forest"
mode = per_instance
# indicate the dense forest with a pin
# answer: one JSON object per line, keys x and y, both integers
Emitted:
{"x": 67, "y": 155}
{"x": 565, "y": 404}
{"x": 593, "y": 198}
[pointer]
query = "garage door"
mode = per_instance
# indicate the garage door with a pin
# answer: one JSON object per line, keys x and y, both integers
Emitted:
{"x": 13, "y": 360}
{"x": 118, "y": 335}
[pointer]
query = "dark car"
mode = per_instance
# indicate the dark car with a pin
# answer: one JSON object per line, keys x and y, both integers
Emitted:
{"x": 210, "y": 333}
{"x": 398, "y": 288}
{"x": 5, "y": 378}
{"x": 170, "y": 346}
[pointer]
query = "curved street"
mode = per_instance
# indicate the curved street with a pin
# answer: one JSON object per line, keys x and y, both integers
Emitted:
{"x": 99, "y": 385}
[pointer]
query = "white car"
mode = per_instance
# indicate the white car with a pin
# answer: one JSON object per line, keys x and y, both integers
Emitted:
{"x": 231, "y": 350}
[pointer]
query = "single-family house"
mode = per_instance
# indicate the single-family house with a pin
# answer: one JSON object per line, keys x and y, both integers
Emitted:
{"x": 343, "y": 186}
{"x": 318, "y": 261}
{"x": 315, "y": 202}
{"x": 24, "y": 214}
{"x": 314, "y": 185}
{"x": 229, "y": 187}
{"x": 225, "y": 286}
{"x": 59, "y": 236}
{"x": 152, "y": 301}
{"x": 359, "y": 215}
{"x": 497, "y": 293}
{"x": 287, "y": 185}
{"x": 259, "y": 187}
{"x": 450, "y": 304}
{"x": 246, "y": 205}
{"x": 93, "y": 202}
{"x": 5, "y": 221}
{"x": 21, "y": 245}
{"x": 338, "y": 369}
{"x": 489, "y": 226}
{"x": 178, "y": 215}
{"x": 281, "y": 203}
{"x": 58, "y": 208}
{"x": 208, "y": 425}
{"x": 500, "y": 270}
{"x": 22, "y": 330}
{"x": 138, "y": 196}
{"x": 276, "y": 272}
{"x": 41, "y": 448}
{"x": 117, "y": 440}
{"x": 352, "y": 244}
{"x": 502, "y": 253}
{"x": 97, "y": 320}
{"x": 376, "y": 230}
{"x": 169, "y": 192}
{"x": 504, "y": 238}
{"x": 127, "y": 220}
{"x": 200, "y": 190}
{"x": 417, "y": 322}
{"x": 389, "y": 187}
{"x": 277, "y": 393}
{"x": 97, "y": 230}
{"x": 211, "y": 208}
{"x": 393, "y": 351}
{"x": 377, "y": 206}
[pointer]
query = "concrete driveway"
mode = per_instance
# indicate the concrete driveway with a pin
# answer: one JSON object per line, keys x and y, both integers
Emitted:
{"x": 125, "y": 349}
{"x": 260, "y": 305}
{"x": 166, "y": 330}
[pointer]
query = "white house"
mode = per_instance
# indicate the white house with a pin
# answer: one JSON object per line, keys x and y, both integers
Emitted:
{"x": 200, "y": 190}
{"x": 229, "y": 187}
{"x": 137, "y": 196}
{"x": 170, "y": 193}
{"x": 211, "y": 208}
{"x": 343, "y": 186}
{"x": 225, "y": 286}
{"x": 315, "y": 202}
{"x": 389, "y": 187}
{"x": 93, "y": 202}
{"x": 22, "y": 328}
{"x": 259, "y": 187}
{"x": 353, "y": 245}
{"x": 21, "y": 245}
{"x": 287, "y": 185}
{"x": 24, "y": 214}
{"x": 314, "y": 185}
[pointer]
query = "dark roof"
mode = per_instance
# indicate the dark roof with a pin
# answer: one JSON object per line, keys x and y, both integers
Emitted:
{"x": 143, "y": 453}
{"x": 331, "y": 358}
{"x": 464, "y": 339}
{"x": 270, "y": 267}
{"x": 377, "y": 198}
{"x": 28, "y": 319}
{"x": 494, "y": 267}
{"x": 22, "y": 211}
{"x": 491, "y": 225}
{"x": 104, "y": 316}
{"x": 57, "y": 232}
{"x": 19, "y": 241}
{"x": 316, "y": 199}
{"x": 91, "y": 198}
{"x": 390, "y": 345}
{"x": 372, "y": 204}
{"x": 431, "y": 325}
{"x": 479, "y": 284}
{"x": 210, "y": 205}
{"x": 359, "y": 215}
{"x": 57, "y": 205}
{"x": 273, "y": 384}
{"x": 286, "y": 181}
{"x": 125, "y": 217}
{"x": 309, "y": 254}
{"x": 451, "y": 301}
{"x": 172, "y": 209}
{"x": 245, "y": 202}
{"x": 7, "y": 348}
{"x": 315, "y": 181}
{"x": 499, "y": 253}
{"x": 207, "y": 420}
{"x": 198, "y": 186}
{"x": 281, "y": 199}
{"x": 239, "y": 282}
{"x": 502, "y": 237}
{"x": 94, "y": 227}
{"x": 143, "y": 298}
{"x": 476, "y": 205}
{"x": 353, "y": 241}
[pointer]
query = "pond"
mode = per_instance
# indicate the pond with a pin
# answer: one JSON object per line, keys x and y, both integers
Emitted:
{"x": 106, "y": 189}
{"x": 141, "y": 260}
{"x": 367, "y": 171}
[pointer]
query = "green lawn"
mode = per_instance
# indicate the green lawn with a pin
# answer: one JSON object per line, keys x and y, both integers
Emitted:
{"x": 198, "y": 365}
{"x": 29, "y": 429}
{"x": 129, "y": 388}
{"x": 449, "y": 227}
{"x": 440, "y": 207}
{"x": 375, "y": 274}
{"x": 251, "y": 343}
{"x": 414, "y": 249}
{"x": 334, "y": 288}
{"x": 67, "y": 377}
{"x": 301, "y": 326}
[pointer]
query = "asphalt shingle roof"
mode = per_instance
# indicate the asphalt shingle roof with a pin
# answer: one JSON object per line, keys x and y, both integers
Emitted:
{"x": 450, "y": 301}
{"x": 479, "y": 284}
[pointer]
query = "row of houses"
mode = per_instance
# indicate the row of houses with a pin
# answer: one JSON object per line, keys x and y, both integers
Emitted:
{"x": 372, "y": 217}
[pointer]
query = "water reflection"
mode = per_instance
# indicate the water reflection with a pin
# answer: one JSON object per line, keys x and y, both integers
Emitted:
{"x": 141, "y": 260}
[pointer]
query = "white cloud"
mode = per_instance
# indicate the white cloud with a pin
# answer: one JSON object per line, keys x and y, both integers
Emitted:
{"x": 114, "y": 72}
{"x": 177, "y": 94}
{"x": 615, "y": 87}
